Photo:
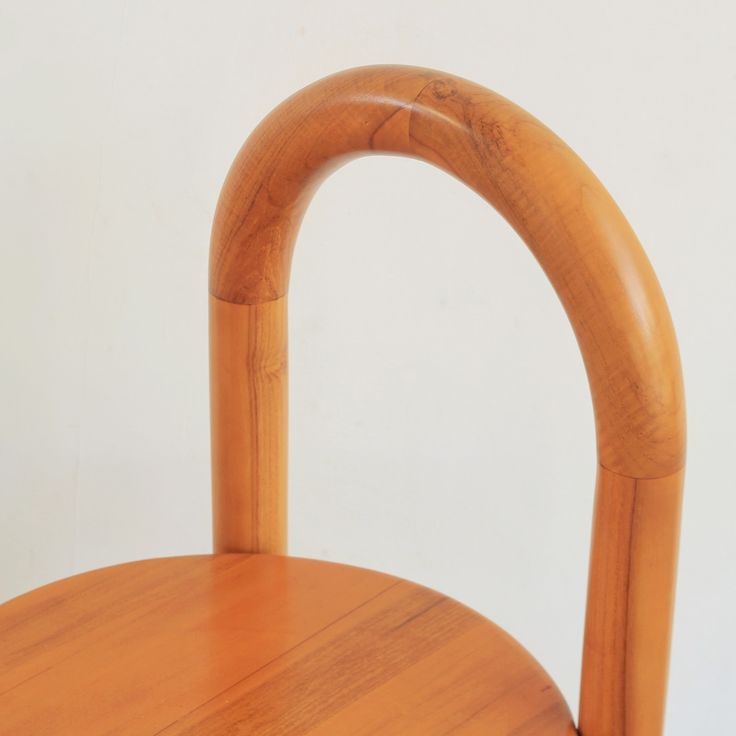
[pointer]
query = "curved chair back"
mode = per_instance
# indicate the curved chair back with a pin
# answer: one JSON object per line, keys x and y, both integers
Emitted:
{"x": 600, "y": 273}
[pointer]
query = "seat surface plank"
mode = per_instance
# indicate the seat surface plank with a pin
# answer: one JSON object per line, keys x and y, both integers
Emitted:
{"x": 265, "y": 646}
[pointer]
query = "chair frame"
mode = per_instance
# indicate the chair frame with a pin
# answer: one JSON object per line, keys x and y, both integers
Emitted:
{"x": 600, "y": 273}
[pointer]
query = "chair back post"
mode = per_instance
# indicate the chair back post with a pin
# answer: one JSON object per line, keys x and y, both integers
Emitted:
{"x": 600, "y": 273}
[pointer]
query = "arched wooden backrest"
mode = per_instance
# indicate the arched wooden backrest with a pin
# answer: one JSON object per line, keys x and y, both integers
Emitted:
{"x": 597, "y": 268}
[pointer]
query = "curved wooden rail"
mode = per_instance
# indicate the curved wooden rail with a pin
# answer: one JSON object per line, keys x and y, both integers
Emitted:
{"x": 599, "y": 271}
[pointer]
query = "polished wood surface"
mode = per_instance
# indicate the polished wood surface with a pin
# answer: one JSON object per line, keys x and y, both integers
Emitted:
{"x": 560, "y": 209}
{"x": 261, "y": 645}
{"x": 630, "y": 597}
{"x": 248, "y": 379}
{"x": 600, "y": 273}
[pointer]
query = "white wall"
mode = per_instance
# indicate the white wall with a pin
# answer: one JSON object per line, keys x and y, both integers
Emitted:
{"x": 457, "y": 384}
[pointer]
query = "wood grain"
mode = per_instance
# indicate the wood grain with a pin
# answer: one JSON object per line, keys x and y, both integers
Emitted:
{"x": 248, "y": 405}
{"x": 264, "y": 646}
{"x": 630, "y": 599}
{"x": 267, "y": 645}
{"x": 563, "y": 213}
{"x": 595, "y": 264}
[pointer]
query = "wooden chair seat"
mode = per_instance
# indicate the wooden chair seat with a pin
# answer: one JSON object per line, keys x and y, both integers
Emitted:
{"x": 262, "y": 644}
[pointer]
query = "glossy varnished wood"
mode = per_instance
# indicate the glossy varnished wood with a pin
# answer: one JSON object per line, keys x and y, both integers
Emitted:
{"x": 630, "y": 598}
{"x": 600, "y": 273}
{"x": 560, "y": 209}
{"x": 268, "y": 645}
{"x": 248, "y": 399}
{"x": 261, "y": 645}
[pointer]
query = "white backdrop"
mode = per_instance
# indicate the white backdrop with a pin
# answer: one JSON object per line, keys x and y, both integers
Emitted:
{"x": 430, "y": 359}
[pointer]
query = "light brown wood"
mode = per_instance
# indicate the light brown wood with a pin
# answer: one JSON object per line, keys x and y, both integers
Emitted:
{"x": 566, "y": 217}
{"x": 594, "y": 262}
{"x": 248, "y": 400}
{"x": 630, "y": 599}
{"x": 261, "y": 645}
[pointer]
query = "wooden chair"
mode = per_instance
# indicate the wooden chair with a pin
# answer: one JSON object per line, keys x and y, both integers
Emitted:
{"x": 248, "y": 641}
